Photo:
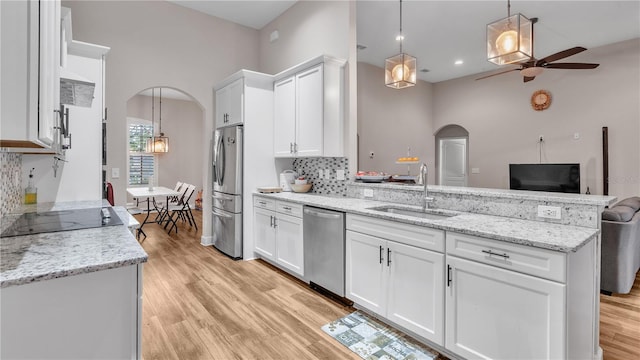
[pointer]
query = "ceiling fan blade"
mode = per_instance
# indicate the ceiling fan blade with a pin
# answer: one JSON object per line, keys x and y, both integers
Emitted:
{"x": 571, "y": 66}
{"x": 560, "y": 55}
{"x": 498, "y": 73}
{"x": 528, "y": 78}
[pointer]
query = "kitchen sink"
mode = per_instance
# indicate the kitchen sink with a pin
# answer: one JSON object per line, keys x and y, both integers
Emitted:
{"x": 431, "y": 214}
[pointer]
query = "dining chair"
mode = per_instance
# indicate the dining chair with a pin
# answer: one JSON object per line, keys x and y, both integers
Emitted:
{"x": 172, "y": 200}
{"x": 182, "y": 210}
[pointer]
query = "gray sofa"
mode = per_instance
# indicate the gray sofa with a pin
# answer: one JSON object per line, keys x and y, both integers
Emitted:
{"x": 620, "y": 246}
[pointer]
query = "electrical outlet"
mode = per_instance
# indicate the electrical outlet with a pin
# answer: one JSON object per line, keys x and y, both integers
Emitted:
{"x": 327, "y": 174}
{"x": 115, "y": 173}
{"x": 475, "y": 170}
{"x": 340, "y": 174}
{"x": 368, "y": 193}
{"x": 320, "y": 174}
{"x": 549, "y": 212}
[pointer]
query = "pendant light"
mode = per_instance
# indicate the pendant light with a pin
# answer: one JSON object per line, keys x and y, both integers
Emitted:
{"x": 400, "y": 70}
{"x": 510, "y": 40}
{"x": 157, "y": 144}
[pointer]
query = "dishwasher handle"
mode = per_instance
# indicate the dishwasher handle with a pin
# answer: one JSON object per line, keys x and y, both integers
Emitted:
{"x": 322, "y": 213}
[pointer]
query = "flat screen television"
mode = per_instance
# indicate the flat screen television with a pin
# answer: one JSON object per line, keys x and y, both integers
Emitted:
{"x": 545, "y": 177}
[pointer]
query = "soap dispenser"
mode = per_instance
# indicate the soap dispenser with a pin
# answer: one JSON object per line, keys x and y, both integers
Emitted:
{"x": 30, "y": 192}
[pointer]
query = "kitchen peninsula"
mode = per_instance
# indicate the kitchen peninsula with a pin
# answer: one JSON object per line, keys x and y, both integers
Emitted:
{"x": 76, "y": 294}
{"x": 482, "y": 259}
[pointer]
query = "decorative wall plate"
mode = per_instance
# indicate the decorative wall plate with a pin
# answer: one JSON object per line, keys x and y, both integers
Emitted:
{"x": 540, "y": 100}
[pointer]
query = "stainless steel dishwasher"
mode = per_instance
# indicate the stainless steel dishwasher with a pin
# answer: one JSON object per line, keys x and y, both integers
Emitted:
{"x": 324, "y": 249}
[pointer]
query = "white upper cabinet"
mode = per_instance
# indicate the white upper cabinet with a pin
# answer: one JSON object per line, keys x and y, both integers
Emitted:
{"x": 229, "y": 104}
{"x": 309, "y": 110}
{"x": 30, "y": 62}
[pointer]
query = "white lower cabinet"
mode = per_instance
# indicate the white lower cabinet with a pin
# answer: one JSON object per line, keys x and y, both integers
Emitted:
{"x": 278, "y": 234}
{"x": 399, "y": 282}
{"x": 493, "y": 313}
{"x": 95, "y": 315}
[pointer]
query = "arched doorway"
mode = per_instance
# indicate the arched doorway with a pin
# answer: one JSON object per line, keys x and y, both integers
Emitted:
{"x": 452, "y": 154}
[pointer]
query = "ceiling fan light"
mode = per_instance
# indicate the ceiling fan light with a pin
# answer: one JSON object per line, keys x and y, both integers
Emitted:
{"x": 509, "y": 40}
{"x": 531, "y": 71}
{"x": 400, "y": 71}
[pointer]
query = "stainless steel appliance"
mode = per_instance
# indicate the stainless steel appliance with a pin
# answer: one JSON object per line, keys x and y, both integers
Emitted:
{"x": 227, "y": 191}
{"x": 62, "y": 220}
{"x": 324, "y": 245}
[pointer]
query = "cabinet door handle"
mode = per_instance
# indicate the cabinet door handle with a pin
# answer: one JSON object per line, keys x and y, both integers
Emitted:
{"x": 448, "y": 275}
{"x": 381, "y": 254}
{"x": 275, "y": 224}
{"x": 489, "y": 252}
{"x": 291, "y": 148}
{"x": 295, "y": 148}
{"x": 388, "y": 257}
{"x": 270, "y": 220}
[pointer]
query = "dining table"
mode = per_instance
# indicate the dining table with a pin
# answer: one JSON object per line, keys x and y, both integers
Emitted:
{"x": 149, "y": 194}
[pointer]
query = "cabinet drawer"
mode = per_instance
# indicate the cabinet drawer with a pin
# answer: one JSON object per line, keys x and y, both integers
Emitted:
{"x": 422, "y": 237}
{"x": 261, "y": 202}
{"x": 292, "y": 209}
{"x": 521, "y": 258}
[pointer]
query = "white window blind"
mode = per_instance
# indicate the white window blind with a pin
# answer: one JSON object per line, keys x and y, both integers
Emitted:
{"x": 141, "y": 164}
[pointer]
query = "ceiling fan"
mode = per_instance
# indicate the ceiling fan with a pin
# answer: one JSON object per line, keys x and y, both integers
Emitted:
{"x": 534, "y": 67}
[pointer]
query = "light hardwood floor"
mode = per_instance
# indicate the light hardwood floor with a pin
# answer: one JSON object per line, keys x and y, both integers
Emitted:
{"x": 199, "y": 304}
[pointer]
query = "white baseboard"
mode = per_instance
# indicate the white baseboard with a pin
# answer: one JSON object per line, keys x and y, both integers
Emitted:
{"x": 206, "y": 240}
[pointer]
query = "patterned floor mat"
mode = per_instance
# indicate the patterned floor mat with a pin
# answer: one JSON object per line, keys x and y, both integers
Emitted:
{"x": 373, "y": 340}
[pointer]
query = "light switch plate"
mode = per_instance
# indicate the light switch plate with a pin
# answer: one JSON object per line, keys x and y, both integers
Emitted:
{"x": 368, "y": 193}
{"x": 327, "y": 174}
{"x": 115, "y": 173}
{"x": 549, "y": 212}
{"x": 339, "y": 174}
{"x": 475, "y": 170}
{"x": 320, "y": 174}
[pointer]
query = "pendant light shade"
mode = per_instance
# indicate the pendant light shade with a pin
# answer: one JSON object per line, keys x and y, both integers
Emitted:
{"x": 510, "y": 40}
{"x": 400, "y": 70}
{"x": 157, "y": 144}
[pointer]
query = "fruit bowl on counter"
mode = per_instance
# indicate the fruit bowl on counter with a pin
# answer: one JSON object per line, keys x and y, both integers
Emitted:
{"x": 301, "y": 188}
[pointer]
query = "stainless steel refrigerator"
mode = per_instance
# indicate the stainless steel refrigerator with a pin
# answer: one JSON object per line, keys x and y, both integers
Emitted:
{"x": 227, "y": 191}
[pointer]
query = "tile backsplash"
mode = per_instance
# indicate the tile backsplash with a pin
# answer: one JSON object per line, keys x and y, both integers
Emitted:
{"x": 310, "y": 167}
{"x": 10, "y": 182}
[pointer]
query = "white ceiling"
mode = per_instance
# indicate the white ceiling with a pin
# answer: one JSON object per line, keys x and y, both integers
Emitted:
{"x": 251, "y": 13}
{"x": 440, "y": 32}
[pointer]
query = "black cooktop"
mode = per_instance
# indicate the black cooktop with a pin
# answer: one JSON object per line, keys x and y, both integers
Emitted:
{"x": 63, "y": 220}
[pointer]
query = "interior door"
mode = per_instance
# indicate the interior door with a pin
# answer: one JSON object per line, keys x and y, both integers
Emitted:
{"x": 453, "y": 161}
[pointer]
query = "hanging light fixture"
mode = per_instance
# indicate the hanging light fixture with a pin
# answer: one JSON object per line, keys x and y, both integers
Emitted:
{"x": 157, "y": 144}
{"x": 400, "y": 70}
{"x": 510, "y": 40}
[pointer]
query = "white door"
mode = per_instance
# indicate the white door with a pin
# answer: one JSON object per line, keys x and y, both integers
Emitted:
{"x": 415, "y": 291}
{"x": 310, "y": 112}
{"x": 366, "y": 273}
{"x": 453, "y": 161}
{"x": 289, "y": 245}
{"x": 49, "y": 80}
{"x": 235, "y": 102}
{"x": 264, "y": 233}
{"x": 229, "y": 104}
{"x": 284, "y": 117}
{"x": 494, "y": 313}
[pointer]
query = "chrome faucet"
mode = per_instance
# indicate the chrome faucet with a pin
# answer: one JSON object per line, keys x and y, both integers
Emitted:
{"x": 422, "y": 179}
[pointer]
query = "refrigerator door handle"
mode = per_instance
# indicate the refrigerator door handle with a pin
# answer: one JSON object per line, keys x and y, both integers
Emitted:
{"x": 220, "y": 160}
{"x": 221, "y": 215}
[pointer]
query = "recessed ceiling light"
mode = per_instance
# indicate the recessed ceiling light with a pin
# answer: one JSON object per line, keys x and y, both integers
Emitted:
{"x": 459, "y": 62}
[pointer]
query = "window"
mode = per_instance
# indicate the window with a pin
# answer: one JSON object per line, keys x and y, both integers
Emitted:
{"x": 141, "y": 165}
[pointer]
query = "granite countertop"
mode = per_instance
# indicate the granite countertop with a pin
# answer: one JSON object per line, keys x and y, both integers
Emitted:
{"x": 600, "y": 200}
{"x": 563, "y": 238}
{"x": 30, "y": 258}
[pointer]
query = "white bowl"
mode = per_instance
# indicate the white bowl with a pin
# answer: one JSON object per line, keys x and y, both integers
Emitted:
{"x": 302, "y": 188}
